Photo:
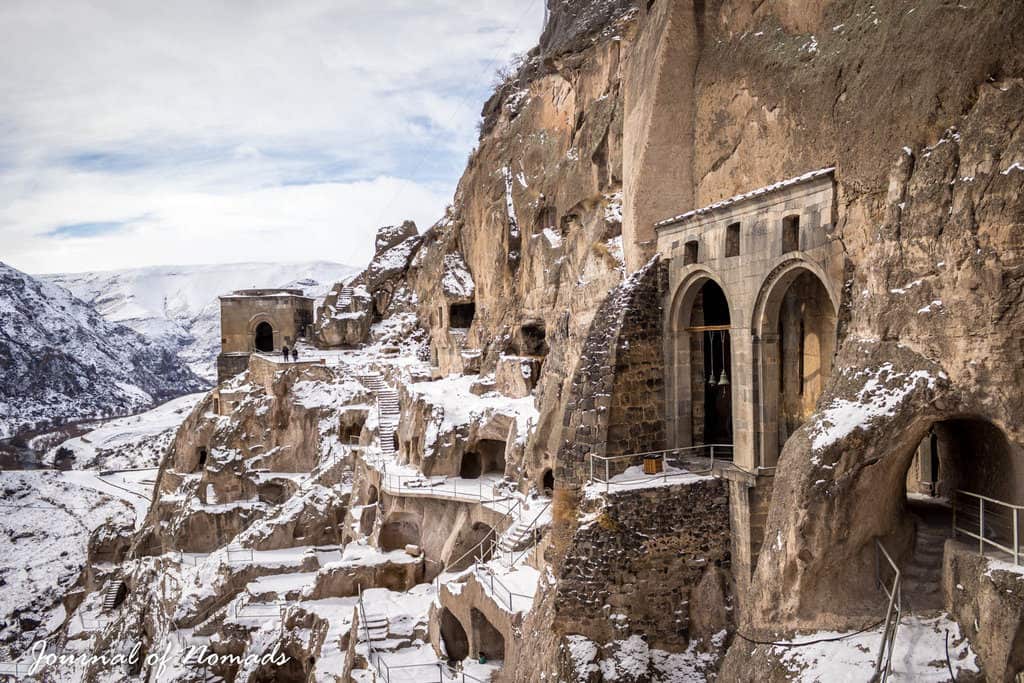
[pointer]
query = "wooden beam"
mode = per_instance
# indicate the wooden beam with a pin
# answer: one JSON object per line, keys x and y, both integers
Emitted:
{"x": 709, "y": 328}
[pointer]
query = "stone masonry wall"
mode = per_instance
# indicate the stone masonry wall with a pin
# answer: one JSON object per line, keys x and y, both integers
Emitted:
{"x": 616, "y": 404}
{"x": 634, "y": 564}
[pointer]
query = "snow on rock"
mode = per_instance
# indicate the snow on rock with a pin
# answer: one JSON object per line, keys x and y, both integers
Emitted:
{"x": 883, "y": 391}
{"x": 457, "y": 281}
{"x": 63, "y": 361}
{"x": 455, "y": 405}
{"x": 632, "y": 659}
{"x": 44, "y": 534}
{"x": 129, "y": 442}
{"x": 177, "y": 306}
{"x": 918, "y": 655}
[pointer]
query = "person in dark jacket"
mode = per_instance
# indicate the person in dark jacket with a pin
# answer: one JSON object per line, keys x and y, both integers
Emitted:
{"x": 284, "y": 350}
{"x": 295, "y": 354}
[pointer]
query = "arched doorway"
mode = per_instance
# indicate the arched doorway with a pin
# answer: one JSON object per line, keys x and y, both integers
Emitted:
{"x": 548, "y": 482}
{"x": 453, "y": 637}
{"x": 710, "y": 366}
{"x": 955, "y": 478}
{"x": 797, "y": 336}
{"x": 489, "y": 641}
{"x": 264, "y": 337}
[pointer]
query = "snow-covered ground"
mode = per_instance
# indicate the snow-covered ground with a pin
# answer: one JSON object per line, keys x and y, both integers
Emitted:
{"x": 44, "y": 533}
{"x": 919, "y": 653}
{"x": 178, "y": 304}
{"x": 129, "y": 442}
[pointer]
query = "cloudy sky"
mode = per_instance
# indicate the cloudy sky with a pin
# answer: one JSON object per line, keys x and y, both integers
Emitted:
{"x": 211, "y": 131}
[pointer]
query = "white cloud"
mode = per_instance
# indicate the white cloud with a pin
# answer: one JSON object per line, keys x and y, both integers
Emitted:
{"x": 237, "y": 131}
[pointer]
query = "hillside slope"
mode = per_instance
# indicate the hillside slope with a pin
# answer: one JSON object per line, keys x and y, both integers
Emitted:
{"x": 60, "y": 360}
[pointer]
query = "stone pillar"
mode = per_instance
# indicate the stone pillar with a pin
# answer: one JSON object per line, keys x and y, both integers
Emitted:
{"x": 742, "y": 380}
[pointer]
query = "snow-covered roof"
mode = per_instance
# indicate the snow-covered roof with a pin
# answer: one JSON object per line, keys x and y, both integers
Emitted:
{"x": 262, "y": 293}
{"x": 768, "y": 189}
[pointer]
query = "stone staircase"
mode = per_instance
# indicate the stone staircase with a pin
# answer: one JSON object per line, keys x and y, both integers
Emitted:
{"x": 113, "y": 594}
{"x": 517, "y": 538}
{"x": 377, "y": 628}
{"x": 388, "y": 409}
{"x": 922, "y": 575}
{"x": 345, "y": 297}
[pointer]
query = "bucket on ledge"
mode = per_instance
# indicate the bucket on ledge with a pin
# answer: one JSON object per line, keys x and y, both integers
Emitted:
{"x": 654, "y": 464}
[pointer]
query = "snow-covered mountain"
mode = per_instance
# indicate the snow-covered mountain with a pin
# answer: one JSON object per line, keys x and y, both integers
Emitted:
{"x": 61, "y": 360}
{"x": 177, "y": 305}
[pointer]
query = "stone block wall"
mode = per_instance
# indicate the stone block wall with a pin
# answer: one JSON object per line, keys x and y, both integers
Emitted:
{"x": 616, "y": 402}
{"x": 634, "y": 565}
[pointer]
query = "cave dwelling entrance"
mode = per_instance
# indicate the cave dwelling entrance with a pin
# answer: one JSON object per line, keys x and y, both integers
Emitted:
{"x": 962, "y": 480}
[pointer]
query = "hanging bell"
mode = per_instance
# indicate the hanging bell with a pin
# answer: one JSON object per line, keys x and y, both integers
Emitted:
{"x": 711, "y": 380}
{"x": 724, "y": 381}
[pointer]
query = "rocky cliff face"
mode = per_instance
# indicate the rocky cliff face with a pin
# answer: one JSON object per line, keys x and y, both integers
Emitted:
{"x": 535, "y": 306}
{"x": 62, "y": 361}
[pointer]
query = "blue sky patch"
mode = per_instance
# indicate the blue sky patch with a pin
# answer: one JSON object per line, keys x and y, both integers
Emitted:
{"x": 80, "y": 230}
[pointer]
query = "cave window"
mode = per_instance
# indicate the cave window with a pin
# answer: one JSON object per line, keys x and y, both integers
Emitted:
{"x": 548, "y": 482}
{"x": 690, "y": 252}
{"x": 532, "y": 340}
{"x": 790, "y": 234}
{"x": 460, "y": 316}
{"x": 732, "y": 240}
{"x": 264, "y": 337}
{"x": 202, "y": 458}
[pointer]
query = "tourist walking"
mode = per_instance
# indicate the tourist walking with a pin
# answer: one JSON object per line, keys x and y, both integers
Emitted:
{"x": 295, "y": 354}
{"x": 284, "y": 350}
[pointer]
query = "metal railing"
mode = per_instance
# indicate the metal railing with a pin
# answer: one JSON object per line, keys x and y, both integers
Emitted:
{"x": 702, "y": 459}
{"x": 485, "y": 575}
{"x": 477, "y": 552}
{"x": 893, "y": 613}
{"x": 514, "y": 557}
{"x": 417, "y": 485}
{"x": 15, "y": 669}
{"x": 992, "y": 523}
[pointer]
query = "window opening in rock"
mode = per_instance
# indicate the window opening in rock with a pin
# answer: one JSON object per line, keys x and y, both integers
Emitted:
{"x": 690, "y": 252}
{"x": 548, "y": 482}
{"x": 460, "y": 316}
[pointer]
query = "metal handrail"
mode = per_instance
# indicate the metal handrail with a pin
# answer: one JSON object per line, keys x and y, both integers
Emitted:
{"x": 893, "y": 613}
{"x": 609, "y": 459}
{"x": 980, "y": 535}
{"x": 492, "y": 578}
{"x": 532, "y": 526}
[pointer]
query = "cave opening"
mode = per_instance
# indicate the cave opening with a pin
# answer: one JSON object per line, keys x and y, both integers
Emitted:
{"x": 453, "y": 636}
{"x": 489, "y": 641}
{"x": 548, "y": 482}
{"x": 487, "y": 457}
{"x": 460, "y": 316}
{"x": 398, "y": 531}
{"x": 962, "y": 480}
{"x": 532, "y": 340}
{"x": 468, "y": 548}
